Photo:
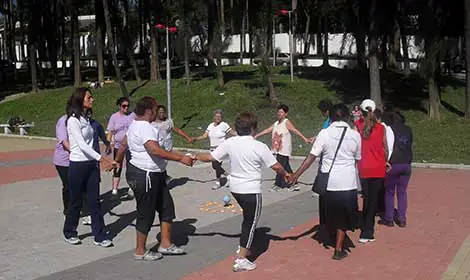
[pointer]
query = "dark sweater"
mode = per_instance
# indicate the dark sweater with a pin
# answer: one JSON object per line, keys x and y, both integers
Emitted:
{"x": 402, "y": 147}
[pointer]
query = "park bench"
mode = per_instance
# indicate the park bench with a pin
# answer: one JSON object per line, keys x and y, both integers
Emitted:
{"x": 23, "y": 128}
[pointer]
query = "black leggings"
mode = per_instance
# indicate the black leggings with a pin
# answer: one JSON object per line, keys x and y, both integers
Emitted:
{"x": 372, "y": 189}
{"x": 63, "y": 172}
{"x": 251, "y": 205}
{"x": 219, "y": 171}
{"x": 151, "y": 194}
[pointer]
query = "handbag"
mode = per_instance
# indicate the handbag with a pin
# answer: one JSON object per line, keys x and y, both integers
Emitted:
{"x": 321, "y": 180}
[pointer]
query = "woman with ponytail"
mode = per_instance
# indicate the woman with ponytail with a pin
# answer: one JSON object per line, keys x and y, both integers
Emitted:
{"x": 372, "y": 167}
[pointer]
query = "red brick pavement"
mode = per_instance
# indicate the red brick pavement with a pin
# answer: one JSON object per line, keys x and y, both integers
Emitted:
{"x": 438, "y": 223}
{"x": 25, "y": 155}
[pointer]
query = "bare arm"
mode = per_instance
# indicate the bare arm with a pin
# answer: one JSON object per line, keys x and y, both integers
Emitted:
{"x": 232, "y": 132}
{"x": 66, "y": 145}
{"x": 277, "y": 167}
{"x": 202, "y": 137}
{"x": 291, "y": 127}
{"x": 205, "y": 157}
{"x": 303, "y": 167}
{"x": 264, "y": 132}
{"x": 181, "y": 133}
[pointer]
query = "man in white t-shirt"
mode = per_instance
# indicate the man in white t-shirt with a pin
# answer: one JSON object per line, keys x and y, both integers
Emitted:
{"x": 145, "y": 174}
{"x": 217, "y": 132}
{"x": 247, "y": 157}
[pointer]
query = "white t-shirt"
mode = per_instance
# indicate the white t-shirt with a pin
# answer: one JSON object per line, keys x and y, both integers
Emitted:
{"x": 165, "y": 128}
{"x": 281, "y": 141}
{"x": 217, "y": 133}
{"x": 247, "y": 157}
{"x": 390, "y": 139}
{"x": 139, "y": 133}
{"x": 80, "y": 134}
{"x": 343, "y": 176}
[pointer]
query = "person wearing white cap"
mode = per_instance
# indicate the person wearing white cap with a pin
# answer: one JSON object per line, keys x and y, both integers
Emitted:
{"x": 372, "y": 166}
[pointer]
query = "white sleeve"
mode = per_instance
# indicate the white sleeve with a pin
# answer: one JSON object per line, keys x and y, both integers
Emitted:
{"x": 267, "y": 156}
{"x": 358, "y": 151}
{"x": 209, "y": 127}
{"x": 390, "y": 141}
{"x": 148, "y": 133}
{"x": 227, "y": 128}
{"x": 319, "y": 144}
{"x": 221, "y": 151}
{"x": 76, "y": 133}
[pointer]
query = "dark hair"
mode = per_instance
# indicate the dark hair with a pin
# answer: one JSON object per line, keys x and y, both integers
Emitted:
{"x": 378, "y": 114}
{"x": 325, "y": 105}
{"x": 398, "y": 118}
{"x": 370, "y": 121}
{"x": 283, "y": 107}
{"x": 339, "y": 112}
{"x": 145, "y": 103}
{"x": 246, "y": 123}
{"x": 122, "y": 100}
{"x": 161, "y": 107}
{"x": 75, "y": 102}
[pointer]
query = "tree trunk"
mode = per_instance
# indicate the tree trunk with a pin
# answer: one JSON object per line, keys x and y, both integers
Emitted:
{"x": 32, "y": 37}
{"x": 266, "y": 45}
{"x": 99, "y": 29}
{"x": 319, "y": 37}
{"x": 187, "y": 69}
{"x": 394, "y": 46}
{"x": 219, "y": 48}
{"x": 467, "y": 54}
{"x": 112, "y": 48}
{"x": 325, "y": 43}
{"x": 76, "y": 48}
{"x": 232, "y": 18}
{"x": 374, "y": 71}
{"x": 128, "y": 41}
{"x": 242, "y": 34}
{"x": 306, "y": 35}
{"x": 155, "y": 63}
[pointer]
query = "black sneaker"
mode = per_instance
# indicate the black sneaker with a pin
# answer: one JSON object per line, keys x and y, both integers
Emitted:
{"x": 339, "y": 255}
{"x": 386, "y": 223}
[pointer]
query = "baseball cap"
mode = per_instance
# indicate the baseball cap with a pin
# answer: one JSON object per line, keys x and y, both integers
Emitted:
{"x": 368, "y": 103}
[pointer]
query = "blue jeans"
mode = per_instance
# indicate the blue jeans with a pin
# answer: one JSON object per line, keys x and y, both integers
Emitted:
{"x": 84, "y": 177}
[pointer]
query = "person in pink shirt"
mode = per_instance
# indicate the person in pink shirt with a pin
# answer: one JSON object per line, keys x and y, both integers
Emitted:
{"x": 118, "y": 124}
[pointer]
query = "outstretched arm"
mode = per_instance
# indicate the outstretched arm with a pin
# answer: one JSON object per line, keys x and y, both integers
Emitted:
{"x": 181, "y": 133}
{"x": 303, "y": 167}
{"x": 264, "y": 132}
{"x": 291, "y": 127}
{"x": 202, "y": 137}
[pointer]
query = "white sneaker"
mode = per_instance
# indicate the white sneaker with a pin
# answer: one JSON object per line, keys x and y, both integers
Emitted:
{"x": 73, "y": 240}
{"x": 105, "y": 243}
{"x": 130, "y": 194}
{"x": 86, "y": 220}
{"x": 238, "y": 249}
{"x": 243, "y": 265}
{"x": 366, "y": 240}
{"x": 114, "y": 192}
{"x": 216, "y": 186}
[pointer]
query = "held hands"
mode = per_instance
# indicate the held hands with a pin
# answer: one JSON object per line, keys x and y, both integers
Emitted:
{"x": 188, "y": 159}
{"x": 108, "y": 164}
{"x": 290, "y": 178}
{"x": 388, "y": 167}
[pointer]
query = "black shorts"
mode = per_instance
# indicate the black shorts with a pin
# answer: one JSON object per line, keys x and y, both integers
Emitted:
{"x": 151, "y": 195}
{"x": 127, "y": 155}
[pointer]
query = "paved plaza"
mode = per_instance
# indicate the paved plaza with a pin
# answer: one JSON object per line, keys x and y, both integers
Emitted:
{"x": 434, "y": 245}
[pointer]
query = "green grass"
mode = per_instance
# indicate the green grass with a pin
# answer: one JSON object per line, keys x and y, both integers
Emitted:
{"x": 445, "y": 141}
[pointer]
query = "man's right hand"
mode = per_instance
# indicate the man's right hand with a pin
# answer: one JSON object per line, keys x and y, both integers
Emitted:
{"x": 188, "y": 160}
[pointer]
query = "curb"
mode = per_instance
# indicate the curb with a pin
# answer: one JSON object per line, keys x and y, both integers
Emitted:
{"x": 414, "y": 164}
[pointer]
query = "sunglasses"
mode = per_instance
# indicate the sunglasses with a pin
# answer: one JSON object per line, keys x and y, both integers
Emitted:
{"x": 125, "y": 106}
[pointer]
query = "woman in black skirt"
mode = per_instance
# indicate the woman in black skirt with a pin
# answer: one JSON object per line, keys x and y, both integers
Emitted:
{"x": 341, "y": 196}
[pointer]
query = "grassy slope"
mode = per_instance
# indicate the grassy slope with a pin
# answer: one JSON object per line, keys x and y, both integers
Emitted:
{"x": 445, "y": 141}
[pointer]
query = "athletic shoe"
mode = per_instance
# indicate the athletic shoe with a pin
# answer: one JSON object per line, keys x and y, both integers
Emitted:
{"x": 172, "y": 250}
{"x": 339, "y": 255}
{"x": 168, "y": 179}
{"x": 130, "y": 194}
{"x": 238, "y": 249}
{"x": 114, "y": 192}
{"x": 243, "y": 265}
{"x": 86, "y": 220}
{"x": 366, "y": 240}
{"x": 275, "y": 189}
{"x": 386, "y": 223}
{"x": 73, "y": 240}
{"x": 148, "y": 256}
{"x": 105, "y": 243}
{"x": 216, "y": 186}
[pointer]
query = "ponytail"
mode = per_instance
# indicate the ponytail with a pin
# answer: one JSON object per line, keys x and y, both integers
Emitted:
{"x": 369, "y": 122}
